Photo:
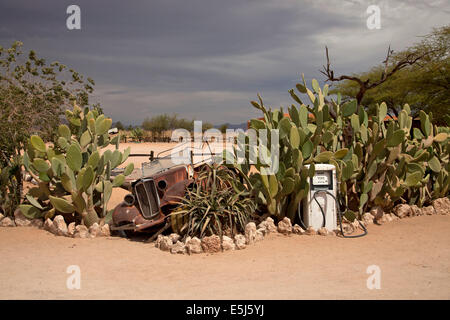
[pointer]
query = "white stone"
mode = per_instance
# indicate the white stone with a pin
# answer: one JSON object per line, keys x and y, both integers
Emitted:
{"x": 7, "y": 222}
{"x": 81, "y": 231}
{"x": 50, "y": 227}
{"x": 297, "y": 229}
{"x": 105, "y": 231}
{"x": 165, "y": 243}
{"x": 20, "y": 219}
{"x": 174, "y": 237}
{"x": 367, "y": 218}
{"x": 323, "y": 231}
{"x": 262, "y": 230}
{"x": 402, "y": 210}
{"x": 158, "y": 240}
{"x": 416, "y": 211}
{"x": 178, "y": 248}
{"x": 95, "y": 230}
{"x": 442, "y": 206}
{"x": 250, "y": 233}
{"x": 240, "y": 241}
{"x": 228, "y": 244}
{"x": 60, "y": 225}
{"x": 428, "y": 210}
{"x": 71, "y": 229}
{"x": 268, "y": 225}
{"x": 259, "y": 235}
{"x": 384, "y": 219}
{"x": 310, "y": 231}
{"x": 194, "y": 245}
{"x": 357, "y": 225}
{"x": 285, "y": 226}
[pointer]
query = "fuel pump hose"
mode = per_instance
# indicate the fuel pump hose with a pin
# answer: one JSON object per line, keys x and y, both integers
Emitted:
{"x": 339, "y": 214}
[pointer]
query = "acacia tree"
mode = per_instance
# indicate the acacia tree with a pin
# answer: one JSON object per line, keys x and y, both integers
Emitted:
{"x": 223, "y": 127}
{"x": 419, "y": 76}
{"x": 33, "y": 96}
{"x": 159, "y": 124}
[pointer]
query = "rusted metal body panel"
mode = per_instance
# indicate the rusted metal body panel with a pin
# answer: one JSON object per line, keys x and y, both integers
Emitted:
{"x": 161, "y": 190}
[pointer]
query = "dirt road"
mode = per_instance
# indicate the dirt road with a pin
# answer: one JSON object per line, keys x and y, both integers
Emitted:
{"x": 413, "y": 255}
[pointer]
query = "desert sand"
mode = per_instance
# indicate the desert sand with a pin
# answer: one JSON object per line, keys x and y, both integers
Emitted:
{"x": 413, "y": 255}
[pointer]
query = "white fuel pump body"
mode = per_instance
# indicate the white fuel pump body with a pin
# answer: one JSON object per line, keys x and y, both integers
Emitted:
{"x": 324, "y": 179}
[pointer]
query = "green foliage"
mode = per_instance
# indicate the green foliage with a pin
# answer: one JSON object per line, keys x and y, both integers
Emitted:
{"x": 424, "y": 86}
{"x": 220, "y": 203}
{"x": 302, "y": 143}
{"x": 223, "y": 127}
{"x": 160, "y": 125}
{"x": 73, "y": 177}
{"x": 33, "y": 96}
{"x": 378, "y": 162}
{"x": 9, "y": 186}
{"x": 119, "y": 126}
{"x": 137, "y": 134}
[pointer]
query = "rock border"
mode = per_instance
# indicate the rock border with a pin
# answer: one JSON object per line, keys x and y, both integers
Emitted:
{"x": 252, "y": 233}
{"x": 57, "y": 226}
{"x": 212, "y": 244}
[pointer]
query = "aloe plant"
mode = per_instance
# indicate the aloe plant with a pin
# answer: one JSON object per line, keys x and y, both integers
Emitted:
{"x": 219, "y": 203}
{"x": 74, "y": 177}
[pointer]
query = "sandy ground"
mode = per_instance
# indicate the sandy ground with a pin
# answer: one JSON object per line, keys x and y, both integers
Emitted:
{"x": 141, "y": 148}
{"x": 158, "y": 148}
{"x": 413, "y": 255}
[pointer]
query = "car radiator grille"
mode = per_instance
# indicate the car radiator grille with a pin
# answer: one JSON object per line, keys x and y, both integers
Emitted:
{"x": 147, "y": 198}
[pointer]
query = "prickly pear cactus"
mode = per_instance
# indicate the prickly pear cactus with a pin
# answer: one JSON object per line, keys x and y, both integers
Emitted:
{"x": 380, "y": 159}
{"x": 73, "y": 175}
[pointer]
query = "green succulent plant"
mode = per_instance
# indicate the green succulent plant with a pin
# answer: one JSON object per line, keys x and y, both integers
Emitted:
{"x": 380, "y": 160}
{"x": 219, "y": 203}
{"x": 73, "y": 176}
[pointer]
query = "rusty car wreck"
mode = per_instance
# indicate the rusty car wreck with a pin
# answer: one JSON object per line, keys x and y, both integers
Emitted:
{"x": 155, "y": 191}
{"x": 151, "y": 200}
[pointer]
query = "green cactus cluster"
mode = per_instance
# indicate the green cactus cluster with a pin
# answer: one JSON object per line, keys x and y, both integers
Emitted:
{"x": 391, "y": 162}
{"x": 380, "y": 160}
{"x": 73, "y": 175}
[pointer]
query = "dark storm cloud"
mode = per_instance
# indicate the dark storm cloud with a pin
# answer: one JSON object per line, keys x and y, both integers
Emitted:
{"x": 208, "y": 58}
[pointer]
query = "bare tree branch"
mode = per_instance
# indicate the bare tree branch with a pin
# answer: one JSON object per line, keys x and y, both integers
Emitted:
{"x": 368, "y": 84}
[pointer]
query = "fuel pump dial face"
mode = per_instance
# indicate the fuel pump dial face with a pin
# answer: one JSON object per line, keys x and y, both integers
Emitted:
{"x": 321, "y": 180}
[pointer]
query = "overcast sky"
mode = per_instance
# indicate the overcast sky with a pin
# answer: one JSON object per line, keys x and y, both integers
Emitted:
{"x": 206, "y": 59}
